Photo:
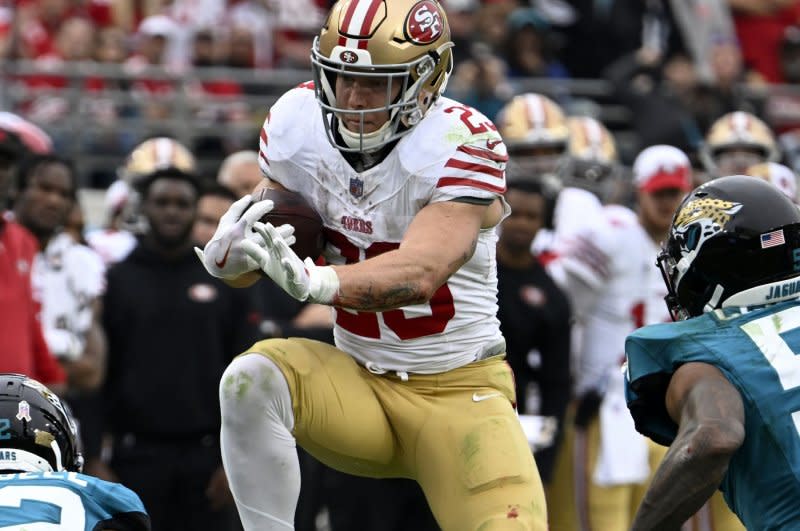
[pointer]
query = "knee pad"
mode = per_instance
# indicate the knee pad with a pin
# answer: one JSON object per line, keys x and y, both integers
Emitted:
{"x": 253, "y": 386}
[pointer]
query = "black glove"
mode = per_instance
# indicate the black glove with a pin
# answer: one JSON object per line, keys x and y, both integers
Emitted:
{"x": 588, "y": 406}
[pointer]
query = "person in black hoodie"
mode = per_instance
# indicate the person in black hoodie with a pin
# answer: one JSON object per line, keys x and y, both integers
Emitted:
{"x": 534, "y": 315}
{"x": 172, "y": 330}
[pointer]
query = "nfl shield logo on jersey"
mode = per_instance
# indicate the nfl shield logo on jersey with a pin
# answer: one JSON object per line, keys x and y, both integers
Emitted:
{"x": 356, "y": 187}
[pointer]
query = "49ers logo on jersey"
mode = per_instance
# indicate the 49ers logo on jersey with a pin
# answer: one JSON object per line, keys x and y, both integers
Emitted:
{"x": 424, "y": 23}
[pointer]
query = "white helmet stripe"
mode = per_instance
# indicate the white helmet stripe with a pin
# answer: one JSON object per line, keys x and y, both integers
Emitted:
{"x": 536, "y": 113}
{"x": 164, "y": 152}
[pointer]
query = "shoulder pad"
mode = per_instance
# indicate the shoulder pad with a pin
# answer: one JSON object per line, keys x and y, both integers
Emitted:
{"x": 287, "y": 125}
{"x": 460, "y": 149}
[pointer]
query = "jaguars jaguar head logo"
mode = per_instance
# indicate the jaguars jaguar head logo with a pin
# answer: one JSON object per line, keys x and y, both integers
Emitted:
{"x": 700, "y": 219}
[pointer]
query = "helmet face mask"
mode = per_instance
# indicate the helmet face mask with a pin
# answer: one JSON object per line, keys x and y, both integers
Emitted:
{"x": 591, "y": 162}
{"x": 403, "y": 45}
{"x": 716, "y": 247}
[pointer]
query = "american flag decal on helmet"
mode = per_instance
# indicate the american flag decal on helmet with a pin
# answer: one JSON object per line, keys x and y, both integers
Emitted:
{"x": 772, "y": 239}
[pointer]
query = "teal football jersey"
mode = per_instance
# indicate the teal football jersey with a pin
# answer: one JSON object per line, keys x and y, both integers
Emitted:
{"x": 67, "y": 501}
{"x": 756, "y": 350}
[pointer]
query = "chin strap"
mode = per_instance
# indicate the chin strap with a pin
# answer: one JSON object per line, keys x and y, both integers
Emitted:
{"x": 782, "y": 290}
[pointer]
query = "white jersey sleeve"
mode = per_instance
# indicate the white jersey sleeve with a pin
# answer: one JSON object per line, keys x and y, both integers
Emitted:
{"x": 619, "y": 306}
{"x": 285, "y": 127}
{"x": 467, "y": 156}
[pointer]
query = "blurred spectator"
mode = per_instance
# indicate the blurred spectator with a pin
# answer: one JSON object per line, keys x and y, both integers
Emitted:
{"x": 297, "y": 22}
{"x": 213, "y": 100}
{"x": 702, "y": 24}
{"x": 189, "y": 16}
{"x": 530, "y": 46}
{"x": 491, "y": 23}
{"x": 534, "y": 316}
{"x": 605, "y": 31}
{"x": 6, "y": 31}
{"x": 782, "y": 108}
{"x": 154, "y": 35}
{"x": 241, "y": 49}
{"x": 481, "y": 83}
{"x": 213, "y": 202}
{"x": 39, "y": 21}
{"x": 660, "y": 94}
{"x": 164, "y": 317}
{"x": 74, "y": 42}
{"x": 68, "y": 277}
{"x": 21, "y": 334}
{"x": 240, "y": 172}
{"x": 760, "y": 25}
{"x": 462, "y": 17}
{"x": 253, "y": 16}
{"x": 128, "y": 14}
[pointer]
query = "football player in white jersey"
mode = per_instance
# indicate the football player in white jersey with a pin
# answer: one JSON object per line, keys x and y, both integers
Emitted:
{"x": 409, "y": 186}
{"x": 595, "y": 258}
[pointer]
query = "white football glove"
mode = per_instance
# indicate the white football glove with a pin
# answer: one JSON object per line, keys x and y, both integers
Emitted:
{"x": 305, "y": 281}
{"x": 223, "y": 256}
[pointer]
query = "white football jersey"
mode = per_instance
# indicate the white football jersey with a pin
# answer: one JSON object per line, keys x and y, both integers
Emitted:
{"x": 67, "y": 277}
{"x": 613, "y": 257}
{"x": 454, "y": 152}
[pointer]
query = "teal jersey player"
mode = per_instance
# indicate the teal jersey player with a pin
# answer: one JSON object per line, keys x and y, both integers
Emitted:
{"x": 755, "y": 350}
{"x": 68, "y": 501}
{"x": 721, "y": 386}
{"x": 41, "y": 484}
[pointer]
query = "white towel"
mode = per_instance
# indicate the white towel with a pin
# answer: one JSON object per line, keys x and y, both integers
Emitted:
{"x": 622, "y": 457}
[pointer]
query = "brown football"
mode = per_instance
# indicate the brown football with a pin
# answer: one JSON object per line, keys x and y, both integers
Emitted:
{"x": 292, "y": 208}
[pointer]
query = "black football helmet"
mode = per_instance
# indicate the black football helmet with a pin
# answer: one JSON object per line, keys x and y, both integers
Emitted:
{"x": 728, "y": 235}
{"x": 36, "y": 432}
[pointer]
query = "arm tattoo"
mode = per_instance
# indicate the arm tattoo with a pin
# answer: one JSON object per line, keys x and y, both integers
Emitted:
{"x": 393, "y": 297}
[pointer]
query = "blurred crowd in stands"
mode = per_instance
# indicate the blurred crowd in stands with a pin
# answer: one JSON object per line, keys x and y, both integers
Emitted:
{"x": 138, "y": 334}
{"x": 660, "y": 70}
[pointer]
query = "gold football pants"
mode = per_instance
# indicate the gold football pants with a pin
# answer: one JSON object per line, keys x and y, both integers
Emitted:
{"x": 456, "y": 433}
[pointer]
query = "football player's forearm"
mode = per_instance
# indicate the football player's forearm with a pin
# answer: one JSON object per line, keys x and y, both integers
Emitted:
{"x": 389, "y": 281}
{"x": 686, "y": 479}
